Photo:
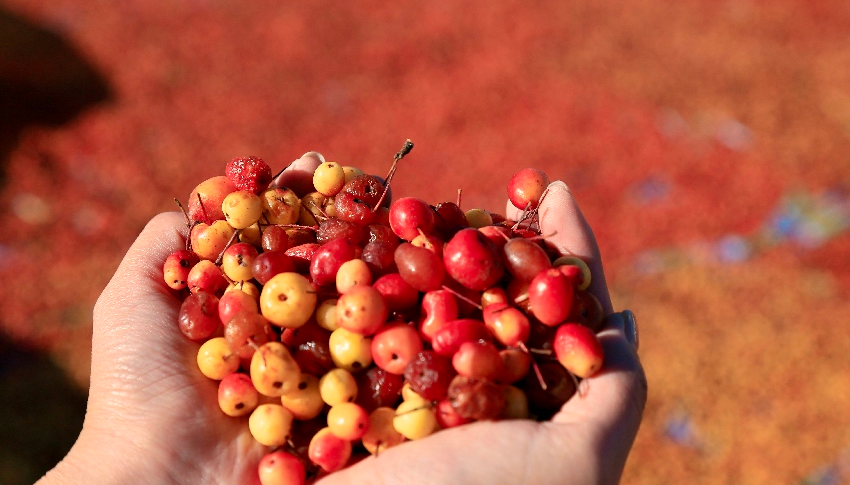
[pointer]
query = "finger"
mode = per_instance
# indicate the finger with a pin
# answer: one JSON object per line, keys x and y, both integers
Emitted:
{"x": 134, "y": 317}
{"x": 565, "y": 227}
{"x": 610, "y": 408}
{"x": 298, "y": 176}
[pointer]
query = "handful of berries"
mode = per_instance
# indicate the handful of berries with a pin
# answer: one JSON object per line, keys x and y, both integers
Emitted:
{"x": 338, "y": 320}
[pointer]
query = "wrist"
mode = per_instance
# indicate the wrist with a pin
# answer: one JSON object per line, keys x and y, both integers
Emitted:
{"x": 96, "y": 458}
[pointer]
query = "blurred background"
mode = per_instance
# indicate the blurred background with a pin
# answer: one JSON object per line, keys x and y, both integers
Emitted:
{"x": 708, "y": 143}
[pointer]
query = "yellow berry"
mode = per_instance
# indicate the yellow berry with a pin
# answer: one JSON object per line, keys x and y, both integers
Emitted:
{"x": 415, "y": 420}
{"x": 270, "y": 424}
{"x": 274, "y": 371}
{"x": 288, "y": 300}
{"x": 242, "y": 209}
{"x": 329, "y": 178}
{"x": 337, "y": 386}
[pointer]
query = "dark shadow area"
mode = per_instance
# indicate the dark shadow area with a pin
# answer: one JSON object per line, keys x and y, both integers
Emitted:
{"x": 43, "y": 81}
{"x": 41, "y": 414}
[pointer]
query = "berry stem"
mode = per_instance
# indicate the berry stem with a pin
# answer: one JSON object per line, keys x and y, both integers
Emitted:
{"x": 408, "y": 145}
{"x": 535, "y": 367}
{"x": 229, "y": 243}
{"x": 468, "y": 300}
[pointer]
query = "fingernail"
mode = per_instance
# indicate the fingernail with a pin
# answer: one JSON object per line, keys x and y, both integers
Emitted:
{"x": 630, "y": 328}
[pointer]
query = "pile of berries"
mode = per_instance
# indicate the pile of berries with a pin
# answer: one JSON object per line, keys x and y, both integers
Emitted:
{"x": 337, "y": 321}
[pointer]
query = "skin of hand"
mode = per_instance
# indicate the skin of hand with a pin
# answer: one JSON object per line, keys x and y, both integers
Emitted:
{"x": 153, "y": 417}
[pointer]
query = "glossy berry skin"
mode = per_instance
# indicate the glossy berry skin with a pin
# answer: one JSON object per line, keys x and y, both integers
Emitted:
{"x": 578, "y": 350}
{"x": 551, "y": 296}
{"x": 409, "y": 216}
{"x": 237, "y": 395}
{"x": 215, "y": 359}
{"x": 328, "y": 451}
{"x": 288, "y": 300}
{"x": 525, "y": 259}
{"x": 361, "y": 310}
{"x": 198, "y": 317}
{"x": 206, "y": 198}
{"x": 473, "y": 260}
{"x": 281, "y": 468}
{"x": 176, "y": 269}
{"x": 419, "y": 267}
{"x": 397, "y": 293}
{"x": 328, "y": 258}
{"x": 377, "y": 387}
{"x": 274, "y": 371}
{"x": 348, "y": 421}
{"x": 526, "y": 187}
{"x": 415, "y": 420}
{"x": 381, "y": 434}
{"x": 448, "y": 339}
{"x": 270, "y": 424}
{"x": 394, "y": 346}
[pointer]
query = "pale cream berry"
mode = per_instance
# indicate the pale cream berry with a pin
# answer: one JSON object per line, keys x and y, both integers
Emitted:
{"x": 245, "y": 287}
{"x": 337, "y": 386}
{"x": 415, "y": 420}
{"x": 270, "y": 424}
{"x": 304, "y": 402}
{"x": 348, "y": 421}
{"x": 252, "y": 235}
{"x": 312, "y": 209}
{"x": 351, "y": 172}
{"x": 288, "y": 300}
{"x": 274, "y": 371}
{"x": 280, "y": 206}
{"x": 242, "y": 209}
{"x": 329, "y": 178}
{"x": 381, "y": 434}
{"x": 216, "y": 360}
{"x": 350, "y": 351}
{"x": 326, "y": 314}
{"x": 352, "y": 273}
{"x": 408, "y": 394}
{"x": 575, "y": 261}
{"x": 478, "y": 218}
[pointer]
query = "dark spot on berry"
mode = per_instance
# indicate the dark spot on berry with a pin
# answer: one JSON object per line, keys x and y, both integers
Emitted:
{"x": 282, "y": 297}
{"x": 184, "y": 263}
{"x": 277, "y": 385}
{"x": 240, "y": 406}
{"x": 357, "y": 366}
{"x": 302, "y": 385}
{"x": 394, "y": 357}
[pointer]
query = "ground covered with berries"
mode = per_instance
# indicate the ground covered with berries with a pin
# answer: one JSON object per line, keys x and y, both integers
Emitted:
{"x": 707, "y": 143}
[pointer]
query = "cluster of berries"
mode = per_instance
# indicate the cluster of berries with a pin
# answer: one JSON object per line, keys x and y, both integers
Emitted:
{"x": 338, "y": 322}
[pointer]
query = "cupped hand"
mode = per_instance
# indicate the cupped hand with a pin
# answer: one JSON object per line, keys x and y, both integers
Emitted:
{"x": 153, "y": 418}
{"x": 586, "y": 442}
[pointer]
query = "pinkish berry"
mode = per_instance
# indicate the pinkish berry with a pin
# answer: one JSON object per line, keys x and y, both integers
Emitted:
{"x": 249, "y": 173}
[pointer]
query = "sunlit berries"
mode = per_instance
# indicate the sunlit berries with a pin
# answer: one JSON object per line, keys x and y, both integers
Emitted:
{"x": 335, "y": 319}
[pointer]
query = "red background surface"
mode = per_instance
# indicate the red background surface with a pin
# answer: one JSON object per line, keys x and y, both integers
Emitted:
{"x": 707, "y": 143}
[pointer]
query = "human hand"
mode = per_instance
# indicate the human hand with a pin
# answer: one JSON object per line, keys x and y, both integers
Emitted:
{"x": 152, "y": 418}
